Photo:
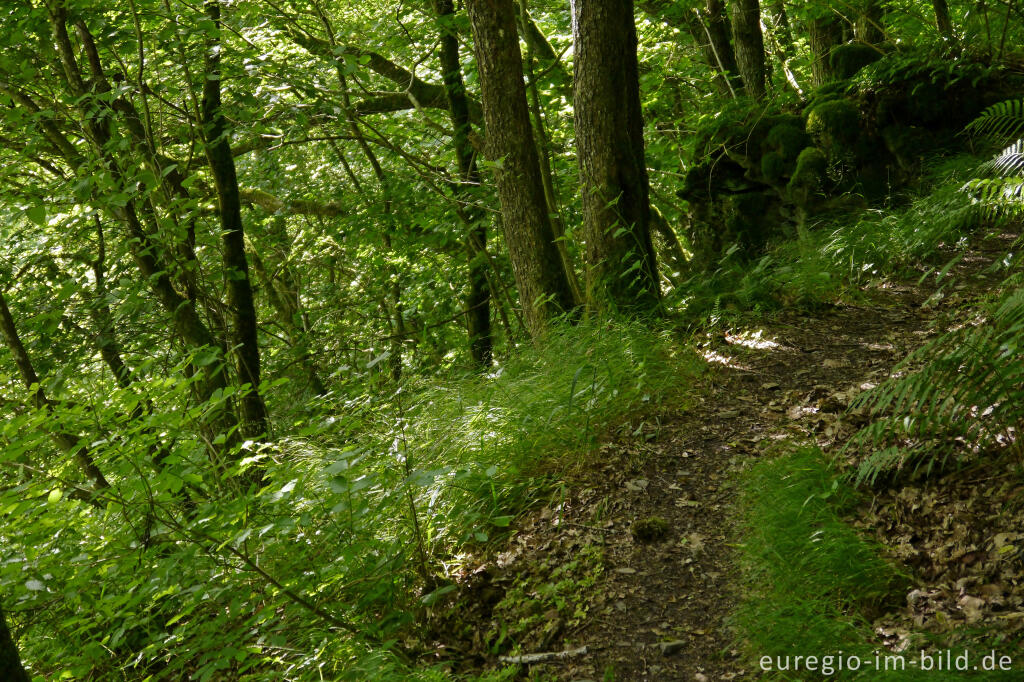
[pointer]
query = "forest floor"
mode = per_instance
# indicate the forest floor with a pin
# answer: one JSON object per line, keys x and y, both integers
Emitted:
{"x": 637, "y": 561}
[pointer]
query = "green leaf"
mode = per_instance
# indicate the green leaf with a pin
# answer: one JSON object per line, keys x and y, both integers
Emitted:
{"x": 431, "y": 599}
{"x": 37, "y": 214}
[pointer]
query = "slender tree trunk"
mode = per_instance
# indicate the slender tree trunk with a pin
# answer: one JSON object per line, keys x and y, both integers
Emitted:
{"x": 718, "y": 56}
{"x": 11, "y": 669}
{"x": 780, "y": 22}
{"x": 781, "y": 35}
{"x": 285, "y": 301}
{"x": 546, "y": 174}
{"x": 478, "y": 300}
{"x": 67, "y": 442}
{"x": 544, "y": 289}
{"x": 825, "y": 33}
{"x": 673, "y": 256}
{"x": 236, "y": 268}
{"x": 621, "y": 267}
{"x": 868, "y": 26}
{"x": 749, "y": 44}
{"x": 184, "y": 315}
{"x": 942, "y": 20}
{"x": 719, "y": 34}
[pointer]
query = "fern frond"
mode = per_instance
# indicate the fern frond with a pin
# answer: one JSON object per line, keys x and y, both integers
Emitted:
{"x": 1000, "y": 122}
{"x": 997, "y": 196}
{"x": 961, "y": 394}
{"x": 1006, "y": 163}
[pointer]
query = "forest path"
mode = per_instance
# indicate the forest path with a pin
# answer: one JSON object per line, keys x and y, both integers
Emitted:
{"x": 659, "y": 609}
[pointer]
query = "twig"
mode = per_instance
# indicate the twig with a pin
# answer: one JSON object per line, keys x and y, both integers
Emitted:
{"x": 530, "y": 659}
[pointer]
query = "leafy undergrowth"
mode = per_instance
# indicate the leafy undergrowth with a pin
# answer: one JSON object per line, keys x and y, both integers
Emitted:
{"x": 329, "y": 571}
{"x": 815, "y": 587}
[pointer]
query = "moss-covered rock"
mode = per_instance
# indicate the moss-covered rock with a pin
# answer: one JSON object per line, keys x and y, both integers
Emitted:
{"x": 787, "y": 138}
{"x": 834, "y": 122}
{"x": 774, "y": 167}
{"x": 809, "y": 177}
{"x": 848, "y": 59}
{"x": 746, "y": 220}
{"x": 828, "y": 91}
{"x": 908, "y": 144}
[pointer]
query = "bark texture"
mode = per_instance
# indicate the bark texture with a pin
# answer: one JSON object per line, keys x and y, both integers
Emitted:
{"x": 749, "y": 44}
{"x": 621, "y": 268}
{"x": 11, "y": 669}
{"x": 868, "y": 26}
{"x": 942, "y": 20}
{"x": 825, "y": 33}
{"x": 544, "y": 289}
{"x": 236, "y": 267}
{"x": 718, "y": 31}
{"x": 478, "y": 300}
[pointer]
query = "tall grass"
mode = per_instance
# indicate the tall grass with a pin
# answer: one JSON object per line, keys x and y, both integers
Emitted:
{"x": 812, "y": 584}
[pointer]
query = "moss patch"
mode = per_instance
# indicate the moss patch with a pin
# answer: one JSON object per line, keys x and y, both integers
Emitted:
{"x": 834, "y": 122}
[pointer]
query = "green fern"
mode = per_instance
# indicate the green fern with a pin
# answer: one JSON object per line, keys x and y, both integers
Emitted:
{"x": 1000, "y": 192}
{"x": 960, "y": 395}
{"x": 963, "y": 393}
{"x": 1009, "y": 161}
{"x": 1000, "y": 122}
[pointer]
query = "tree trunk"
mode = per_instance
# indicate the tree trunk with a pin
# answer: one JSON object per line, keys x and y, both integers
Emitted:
{"x": 719, "y": 34}
{"x": 673, "y": 255}
{"x": 11, "y": 669}
{"x": 749, "y": 44}
{"x": 236, "y": 267}
{"x": 781, "y": 35}
{"x": 544, "y": 289}
{"x": 478, "y": 300}
{"x": 717, "y": 55}
{"x": 825, "y": 33}
{"x": 184, "y": 315}
{"x": 942, "y": 20}
{"x": 780, "y": 22}
{"x": 868, "y": 25}
{"x": 67, "y": 442}
{"x": 621, "y": 268}
{"x": 546, "y": 174}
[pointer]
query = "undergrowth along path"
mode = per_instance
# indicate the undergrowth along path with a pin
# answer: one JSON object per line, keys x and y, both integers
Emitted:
{"x": 662, "y": 507}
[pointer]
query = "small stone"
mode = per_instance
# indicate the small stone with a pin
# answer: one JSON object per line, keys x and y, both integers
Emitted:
{"x": 700, "y": 677}
{"x": 673, "y": 647}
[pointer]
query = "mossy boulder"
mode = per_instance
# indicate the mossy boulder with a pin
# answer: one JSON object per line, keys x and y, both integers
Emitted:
{"x": 848, "y": 59}
{"x": 780, "y": 148}
{"x": 908, "y": 145}
{"x": 809, "y": 177}
{"x": 828, "y": 91}
{"x": 773, "y": 167}
{"x": 834, "y": 123}
{"x": 746, "y": 220}
{"x": 787, "y": 138}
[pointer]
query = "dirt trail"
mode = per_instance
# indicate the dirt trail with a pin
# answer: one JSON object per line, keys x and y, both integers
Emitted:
{"x": 659, "y": 610}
